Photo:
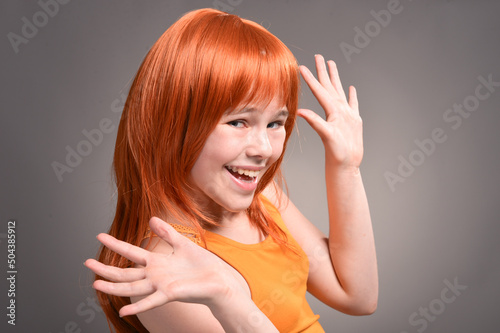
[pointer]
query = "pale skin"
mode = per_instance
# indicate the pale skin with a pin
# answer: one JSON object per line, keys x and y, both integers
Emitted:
{"x": 179, "y": 285}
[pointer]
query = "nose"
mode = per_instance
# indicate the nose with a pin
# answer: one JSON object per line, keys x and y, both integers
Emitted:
{"x": 259, "y": 144}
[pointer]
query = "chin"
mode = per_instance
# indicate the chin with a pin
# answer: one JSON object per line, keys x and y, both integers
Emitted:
{"x": 237, "y": 208}
{"x": 236, "y": 205}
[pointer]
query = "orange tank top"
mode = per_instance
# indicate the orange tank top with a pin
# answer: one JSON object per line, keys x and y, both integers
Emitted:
{"x": 276, "y": 276}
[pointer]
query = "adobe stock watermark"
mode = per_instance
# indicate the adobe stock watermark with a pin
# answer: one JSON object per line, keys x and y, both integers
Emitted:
{"x": 227, "y": 6}
{"x": 31, "y": 26}
{"x": 454, "y": 117}
{"x": 372, "y": 28}
{"x": 87, "y": 311}
{"x": 421, "y": 318}
{"x": 92, "y": 139}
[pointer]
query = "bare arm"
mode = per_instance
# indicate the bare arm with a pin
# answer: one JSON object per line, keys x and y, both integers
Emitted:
{"x": 343, "y": 271}
{"x": 180, "y": 286}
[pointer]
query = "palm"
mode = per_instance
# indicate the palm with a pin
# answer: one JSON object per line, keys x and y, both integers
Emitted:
{"x": 186, "y": 273}
{"x": 341, "y": 131}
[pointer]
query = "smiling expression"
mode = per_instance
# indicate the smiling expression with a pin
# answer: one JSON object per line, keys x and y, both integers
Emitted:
{"x": 244, "y": 143}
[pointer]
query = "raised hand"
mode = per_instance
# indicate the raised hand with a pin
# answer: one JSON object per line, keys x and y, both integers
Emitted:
{"x": 341, "y": 132}
{"x": 188, "y": 273}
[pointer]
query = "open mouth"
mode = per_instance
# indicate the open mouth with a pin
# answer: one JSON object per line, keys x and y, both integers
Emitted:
{"x": 247, "y": 176}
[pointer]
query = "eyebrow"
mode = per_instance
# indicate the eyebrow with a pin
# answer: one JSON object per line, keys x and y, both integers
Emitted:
{"x": 283, "y": 113}
{"x": 250, "y": 109}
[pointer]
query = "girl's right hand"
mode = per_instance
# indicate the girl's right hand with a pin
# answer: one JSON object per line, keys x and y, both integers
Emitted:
{"x": 189, "y": 273}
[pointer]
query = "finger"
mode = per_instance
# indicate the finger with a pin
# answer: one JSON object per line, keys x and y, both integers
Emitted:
{"x": 166, "y": 232}
{"x": 353, "y": 99}
{"x": 317, "y": 89}
{"x": 114, "y": 273}
{"x": 335, "y": 78}
{"x": 152, "y": 301}
{"x": 313, "y": 119}
{"x": 129, "y": 251}
{"x": 323, "y": 78}
{"x": 136, "y": 288}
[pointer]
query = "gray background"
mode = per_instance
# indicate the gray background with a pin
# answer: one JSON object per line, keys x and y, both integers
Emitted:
{"x": 440, "y": 224}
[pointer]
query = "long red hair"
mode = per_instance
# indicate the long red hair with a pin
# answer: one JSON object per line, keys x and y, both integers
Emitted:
{"x": 205, "y": 64}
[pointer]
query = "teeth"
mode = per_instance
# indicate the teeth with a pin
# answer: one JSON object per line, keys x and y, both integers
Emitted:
{"x": 249, "y": 173}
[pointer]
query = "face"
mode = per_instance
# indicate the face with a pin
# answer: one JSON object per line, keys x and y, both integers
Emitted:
{"x": 241, "y": 148}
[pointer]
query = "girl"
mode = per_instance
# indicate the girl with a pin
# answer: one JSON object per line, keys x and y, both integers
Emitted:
{"x": 199, "y": 147}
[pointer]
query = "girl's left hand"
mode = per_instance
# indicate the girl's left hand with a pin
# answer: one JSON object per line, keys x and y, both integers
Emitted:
{"x": 342, "y": 131}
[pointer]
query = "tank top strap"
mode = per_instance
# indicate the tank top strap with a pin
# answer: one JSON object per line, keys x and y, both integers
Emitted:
{"x": 186, "y": 231}
{"x": 277, "y": 218}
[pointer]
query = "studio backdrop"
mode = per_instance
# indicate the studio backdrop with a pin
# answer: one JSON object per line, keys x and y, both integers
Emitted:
{"x": 428, "y": 80}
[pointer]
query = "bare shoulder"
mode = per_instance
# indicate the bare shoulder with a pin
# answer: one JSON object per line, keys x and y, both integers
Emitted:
{"x": 175, "y": 316}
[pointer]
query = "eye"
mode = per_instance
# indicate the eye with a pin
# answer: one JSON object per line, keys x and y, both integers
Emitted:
{"x": 275, "y": 124}
{"x": 236, "y": 123}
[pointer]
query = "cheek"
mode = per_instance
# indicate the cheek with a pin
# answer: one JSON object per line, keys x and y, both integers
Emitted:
{"x": 277, "y": 143}
{"x": 221, "y": 141}
{"x": 217, "y": 151}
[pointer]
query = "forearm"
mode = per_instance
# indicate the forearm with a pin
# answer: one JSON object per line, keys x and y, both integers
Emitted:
{"x": 351, "y": 241}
